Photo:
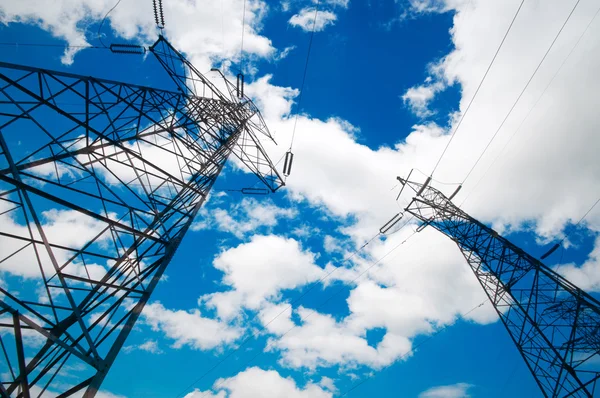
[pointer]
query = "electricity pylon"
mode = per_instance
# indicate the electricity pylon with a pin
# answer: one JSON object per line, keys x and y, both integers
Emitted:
{"x": 554, "y": 324}
{"x": 95, "y": 204}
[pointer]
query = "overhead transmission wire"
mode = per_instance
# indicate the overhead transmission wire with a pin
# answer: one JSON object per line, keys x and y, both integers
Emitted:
{"x": 420, "y": 344}
{"x": 567, "y": 234}
{"x": 313, "y": 311}
{"x": 242, "y": 44}
{"x": 98, "y": 35}
{"x": 522, "y": 91}
{"x": 310, "y": 42}
{"x": 17, "y": 44}
{"x": 478, "y": 88}
{"x": 290, "y": 306}
{"x": 487, "y": 146}
{"x": 481, "y": 178}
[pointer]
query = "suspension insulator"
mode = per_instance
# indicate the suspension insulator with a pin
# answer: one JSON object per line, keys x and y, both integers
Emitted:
{"x": 455, "y": 192}
{"x": 255, "y": 191}
{"x": 287, "y": 164}
{"x": 388, "y": 225}
{"x": 158, "y": 11}
{"x": 427, "y": 181}
{"x": 240, "y": 85}
{"x": 127, "y": 49}
{"x": 549, "y": 252}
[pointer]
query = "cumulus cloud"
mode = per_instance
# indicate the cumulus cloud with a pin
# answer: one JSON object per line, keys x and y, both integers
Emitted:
{"x": 66, "y": 228}
{"x": 319, "y": 340}
{"x": 459, "y": 390}
{"x": 556, "y": 172}
{"x": 305, "y": 19}
{"x": 189, "y": 328}
{"x": 547, "y": 179}
{"x": 150, "y": 346}
{"x": 258, "y": 271}
{"x": 256, "y": 382}
{"x": 247, "y": 216}
{"x": 587, "y": 275}
{"x": 418, "y": 98}
{"x": 191, "y": 26}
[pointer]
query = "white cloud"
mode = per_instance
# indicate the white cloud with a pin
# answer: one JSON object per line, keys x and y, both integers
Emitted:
{"x": 548, "y": 178}
{"x": 459, "y": 390}
{"x": 255, "y": 382}
{"x": 587, "y": 275}
{"x": 328, "y": 384}
{"x": 275, "y": 102}
{"x": 192, "y": 26}
{"x": 284, "y": 53}
{"x": 306, "y": 17}
{"x": 331, "y": 244}
{"x": 67, "y": 228}
{"x": 452, "y": 289}
{"x": 150, "y": 346}
{"x": 321, "y": 341}
{"x": 258, "y": 271}
{"x": 244, "y": 217}
{"x": 552, "y": 175}
{"x": 305, "y": 230}
{"x": 425, "y": 6}
{"x": 189, "y": 328}
{"x": 418, "y": 98}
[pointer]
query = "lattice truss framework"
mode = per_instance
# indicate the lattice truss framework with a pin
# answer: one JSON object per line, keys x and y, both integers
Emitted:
{"x": 554, "y": 324}
{"x": 99, "y": 182}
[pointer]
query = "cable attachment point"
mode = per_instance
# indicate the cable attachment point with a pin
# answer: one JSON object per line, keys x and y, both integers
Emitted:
{"x": 127, "y": 49}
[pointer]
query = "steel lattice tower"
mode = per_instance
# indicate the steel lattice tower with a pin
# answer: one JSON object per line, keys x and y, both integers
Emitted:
{"x": 554, "y": 324}
{"x": 127, "y": 168}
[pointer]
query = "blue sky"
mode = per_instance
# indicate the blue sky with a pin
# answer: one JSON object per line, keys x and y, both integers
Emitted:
{"x": 386, "y": 83}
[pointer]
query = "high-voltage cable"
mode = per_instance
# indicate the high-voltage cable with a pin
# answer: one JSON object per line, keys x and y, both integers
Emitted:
{"x": 522, "y": 91}
{"x": 453, "y": 134}
{"x": 513, "y": 135}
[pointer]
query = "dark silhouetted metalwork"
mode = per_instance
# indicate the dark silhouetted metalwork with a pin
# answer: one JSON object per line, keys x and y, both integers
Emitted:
{"x": 99, "y": 182}
{"x": 554, "y": 324}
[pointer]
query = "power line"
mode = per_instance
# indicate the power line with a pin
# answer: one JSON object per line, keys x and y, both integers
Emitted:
{"x": 355, "y": 386}
{"x": 242, "y": 45}
{"x": 522, "y": 91}
{"x": 17, "y": 44}
{"x": 478, "y": 88}
{"x": 531, "y": 109}
{"x": 102, "y": 23}
{"x": 313, "y": 311}
{"x": 567, "y": 234}
{"x": 310, "y": 42}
